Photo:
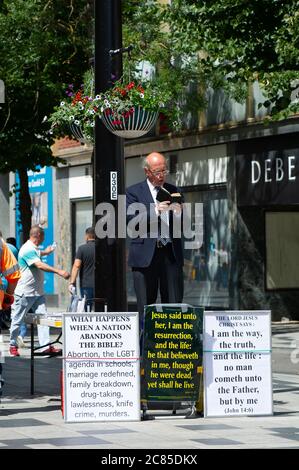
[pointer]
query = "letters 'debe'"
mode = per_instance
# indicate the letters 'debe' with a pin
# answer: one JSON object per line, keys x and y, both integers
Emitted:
{"x": 267, "y": 178}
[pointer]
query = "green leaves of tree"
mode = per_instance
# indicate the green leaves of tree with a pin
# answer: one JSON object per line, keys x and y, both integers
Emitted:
{"x": 228, "y": 42}
{"x": 43, "y": 45}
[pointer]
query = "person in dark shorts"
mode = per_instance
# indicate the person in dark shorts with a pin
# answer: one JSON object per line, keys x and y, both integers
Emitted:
{"x": 84, "y": 266}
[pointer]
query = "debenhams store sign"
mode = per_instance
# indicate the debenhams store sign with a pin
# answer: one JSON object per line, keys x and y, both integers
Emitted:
{"x": 268, "y": 178}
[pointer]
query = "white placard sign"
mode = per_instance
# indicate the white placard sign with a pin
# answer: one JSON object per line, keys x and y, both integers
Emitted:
{"x": 101, "y": 367}
{"x": 237, "y": 363}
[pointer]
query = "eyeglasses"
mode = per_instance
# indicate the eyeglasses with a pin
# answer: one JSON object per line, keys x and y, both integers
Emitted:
{"x": 161, "y": 172}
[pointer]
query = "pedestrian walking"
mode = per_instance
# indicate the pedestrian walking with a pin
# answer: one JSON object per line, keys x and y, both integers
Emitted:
{"x": 29, "y": 293}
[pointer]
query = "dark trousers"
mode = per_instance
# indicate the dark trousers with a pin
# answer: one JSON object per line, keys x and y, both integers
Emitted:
{"x": 163, "y": 273}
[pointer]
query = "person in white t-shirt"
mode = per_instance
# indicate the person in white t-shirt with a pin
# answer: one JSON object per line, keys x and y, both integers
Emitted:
{"x": 29, "y": 294}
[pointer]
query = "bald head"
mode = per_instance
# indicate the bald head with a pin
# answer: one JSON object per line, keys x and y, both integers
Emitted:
{"x": 156, "y": 168}
{"x": 155, "y": 159}
{"x": 36, "y": 234}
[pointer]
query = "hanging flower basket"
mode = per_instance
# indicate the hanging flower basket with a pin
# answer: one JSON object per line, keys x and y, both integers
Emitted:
{"x": 127, "y": 109}
{"x": 135, "y": 123}
{"x": 79, "y": 135}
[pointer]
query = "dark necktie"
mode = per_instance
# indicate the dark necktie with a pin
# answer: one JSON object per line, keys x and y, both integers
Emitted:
{"x": 163, "y": 230}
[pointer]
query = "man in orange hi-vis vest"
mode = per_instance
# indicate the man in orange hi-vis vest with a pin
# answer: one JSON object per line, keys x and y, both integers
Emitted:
{"x": 9, "y": 269}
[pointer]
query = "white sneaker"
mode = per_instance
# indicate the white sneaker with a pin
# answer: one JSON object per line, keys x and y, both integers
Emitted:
{"x": 20, "y": 342}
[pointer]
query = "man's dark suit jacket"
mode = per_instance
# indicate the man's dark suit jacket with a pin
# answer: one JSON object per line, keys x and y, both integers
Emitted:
{"x": 142, "y": 249}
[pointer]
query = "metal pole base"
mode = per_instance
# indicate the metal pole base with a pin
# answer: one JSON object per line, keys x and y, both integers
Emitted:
{"x": 194, "y": 414}
{"x": 145, "y": 416}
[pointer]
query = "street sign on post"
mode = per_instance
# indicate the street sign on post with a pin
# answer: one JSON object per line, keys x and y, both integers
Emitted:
{"x": 110, "y": 268}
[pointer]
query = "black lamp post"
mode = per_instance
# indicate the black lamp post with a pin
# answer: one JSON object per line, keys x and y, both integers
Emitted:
{"x": 110, "y": 265}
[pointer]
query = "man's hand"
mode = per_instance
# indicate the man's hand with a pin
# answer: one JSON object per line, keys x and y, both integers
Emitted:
{"x": 64, "y": 274}
{"x": 163, "y": 206}
{"x": 7, "y": 301}
{"x": 72, "y": 289}
{"x": 48, "y": 250}
{"x": 176, "y": 208}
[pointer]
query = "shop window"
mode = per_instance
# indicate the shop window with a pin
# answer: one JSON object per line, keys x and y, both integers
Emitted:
{"x": 82, "y": 218}
{"x": 282, "y": 250}
{"x": 206, "y": 267}
{"x": 206, "y": 270}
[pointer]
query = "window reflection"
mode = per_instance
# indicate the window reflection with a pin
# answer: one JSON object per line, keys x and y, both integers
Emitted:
{"x": 206, "y": 268}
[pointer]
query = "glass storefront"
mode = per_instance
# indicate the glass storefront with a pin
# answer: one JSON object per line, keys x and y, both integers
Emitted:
{"x": 82, "y": 216}
{"x": 207, "y": 267}
{"x": 282, "y": 250}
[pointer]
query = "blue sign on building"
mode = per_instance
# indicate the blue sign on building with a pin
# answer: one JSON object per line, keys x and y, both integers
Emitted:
{"x": 41, "y": 194}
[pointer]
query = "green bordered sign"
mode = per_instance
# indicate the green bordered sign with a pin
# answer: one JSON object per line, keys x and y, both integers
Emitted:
{"x": 172, "y": 353}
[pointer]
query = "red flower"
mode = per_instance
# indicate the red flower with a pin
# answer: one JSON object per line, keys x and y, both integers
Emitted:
{"x": 121, "y": 91}
{"x": 78, "y": 97}
{"x": 130, "y": 85}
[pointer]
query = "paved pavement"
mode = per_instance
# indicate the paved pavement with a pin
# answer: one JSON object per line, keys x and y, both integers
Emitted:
{"x": 285, "y": 348}
{"x": 36, "y": 422}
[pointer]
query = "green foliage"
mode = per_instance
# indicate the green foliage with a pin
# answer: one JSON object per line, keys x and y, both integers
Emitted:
{"x": 43, "y": 45}
{"x": 241, "y": 41}
{"x": 145, "y": 26}
{"x": 220, "y": 43}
